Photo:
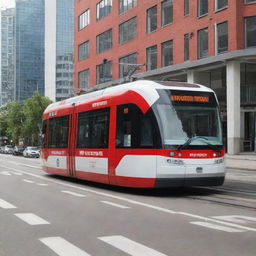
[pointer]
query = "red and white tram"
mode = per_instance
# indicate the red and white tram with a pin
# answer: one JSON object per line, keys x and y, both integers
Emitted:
{"x": 139, "y": 134}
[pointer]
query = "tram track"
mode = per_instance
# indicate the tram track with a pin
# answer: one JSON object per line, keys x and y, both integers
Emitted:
{"x": 232, "y": 197}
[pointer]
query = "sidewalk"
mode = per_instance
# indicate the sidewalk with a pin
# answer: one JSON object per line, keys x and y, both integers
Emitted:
{"x": 242, "y": 161}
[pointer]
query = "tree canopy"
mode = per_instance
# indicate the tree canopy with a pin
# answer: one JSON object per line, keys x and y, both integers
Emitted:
{"x": 23, "y": 120}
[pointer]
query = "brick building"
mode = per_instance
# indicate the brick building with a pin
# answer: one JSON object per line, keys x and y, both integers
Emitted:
{"x": 209, "y": 42}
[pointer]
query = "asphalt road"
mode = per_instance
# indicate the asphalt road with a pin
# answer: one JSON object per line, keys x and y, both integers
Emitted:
{"x": 44, "y": 215}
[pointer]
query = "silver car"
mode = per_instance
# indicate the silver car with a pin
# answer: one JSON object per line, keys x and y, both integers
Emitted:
{"x": 31, "y": 152}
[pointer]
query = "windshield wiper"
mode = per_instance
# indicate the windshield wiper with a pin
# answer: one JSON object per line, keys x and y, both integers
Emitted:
{"x": 190, "y": 139}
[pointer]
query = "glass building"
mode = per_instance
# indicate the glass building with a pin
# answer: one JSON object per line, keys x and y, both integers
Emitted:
{"x": 7, "y": 56}
{"x": 29, "y": 48}
{"x": 59, "y": 43}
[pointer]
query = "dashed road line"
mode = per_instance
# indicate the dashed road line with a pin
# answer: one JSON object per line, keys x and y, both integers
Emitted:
{"x": 73, "y": 193}
{"x": 6, "y": 205}
{"x": 32, "y": 166}
{"x": 5, "y": 173}
{"x": 62, "y": 247}
{"x": 236, "y": 218}
{"x": 130, "y": 247}
{"x": 31, "y": 219}
{"x": 42, "y": 184}
{"x": 116, "y": 205}
{"x": 17, "y": 173}
{"x": 28, "y": 181}
{"x": 217, "y": 227}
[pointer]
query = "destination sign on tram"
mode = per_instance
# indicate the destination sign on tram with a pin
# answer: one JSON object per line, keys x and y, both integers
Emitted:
{"x": 190, "y": 98}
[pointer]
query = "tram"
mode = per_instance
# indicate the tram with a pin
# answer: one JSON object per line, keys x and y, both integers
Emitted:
{"x": 140, "y": 134}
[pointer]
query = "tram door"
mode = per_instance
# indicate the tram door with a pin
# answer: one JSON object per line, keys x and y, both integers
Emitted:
{"x": 250, "y": 131}
{"x": 135, "y": 156}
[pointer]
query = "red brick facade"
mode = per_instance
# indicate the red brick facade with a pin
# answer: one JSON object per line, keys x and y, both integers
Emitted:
{"x": 234, "y": 14}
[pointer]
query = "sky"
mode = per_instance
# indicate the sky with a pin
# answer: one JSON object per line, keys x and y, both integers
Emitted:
{"x": 7, "y": 3}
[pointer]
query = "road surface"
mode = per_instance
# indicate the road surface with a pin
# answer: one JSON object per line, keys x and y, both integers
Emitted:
{"x": 44, "y": 215}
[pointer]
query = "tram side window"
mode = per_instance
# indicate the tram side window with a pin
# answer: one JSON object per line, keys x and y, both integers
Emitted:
{"x": 134, "y": 129}
{"x": 93, "y": 129}
{"x": 58, "y": 132}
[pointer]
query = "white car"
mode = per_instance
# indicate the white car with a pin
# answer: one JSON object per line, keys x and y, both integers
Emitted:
{"x": 31, "y": 152}
{"x": 8, "y": 149}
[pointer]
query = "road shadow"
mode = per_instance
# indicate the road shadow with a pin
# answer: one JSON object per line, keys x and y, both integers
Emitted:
{"x": 174, "y": 192}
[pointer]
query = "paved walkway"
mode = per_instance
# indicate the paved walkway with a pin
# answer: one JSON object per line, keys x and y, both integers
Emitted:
{"x": 242, "y": 161}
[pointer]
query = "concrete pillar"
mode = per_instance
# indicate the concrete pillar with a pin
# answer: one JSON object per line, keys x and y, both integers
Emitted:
{"x": 198, "y": 77}
{"x": 191, "y": 76}
{"x": 233, "y": 107}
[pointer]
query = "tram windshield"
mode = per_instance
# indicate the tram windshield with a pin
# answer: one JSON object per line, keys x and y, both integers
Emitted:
{"x": 190, "y": 119}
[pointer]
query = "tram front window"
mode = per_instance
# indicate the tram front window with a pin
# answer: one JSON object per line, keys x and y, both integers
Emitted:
{"x": 179, "y": 123}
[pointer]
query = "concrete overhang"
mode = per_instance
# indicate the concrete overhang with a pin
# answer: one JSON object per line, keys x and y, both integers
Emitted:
{"x": 245, "y": 55}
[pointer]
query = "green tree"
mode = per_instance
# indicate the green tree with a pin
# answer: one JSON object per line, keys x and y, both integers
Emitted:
{"x": 33, "y": 109}
{"x": 3, "y": 121}
{"x": 14, "y": 117}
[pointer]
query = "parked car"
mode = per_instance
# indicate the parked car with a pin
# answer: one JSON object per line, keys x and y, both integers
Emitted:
{"x": 2, "y": 149}
{"x": 8, "y": 149}
{"x": 18, "y": 150}
{"x": 31, "y": 152}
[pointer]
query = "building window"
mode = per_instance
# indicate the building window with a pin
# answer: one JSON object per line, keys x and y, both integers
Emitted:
{"x": 83, "y": 51}
{"x": 167, "y": 53}
{"x": 249, "y": 1}
{"x": 104, "y": 8}
{"x": 202, "y": 43}
{"x": 186, "y": 7}
{"x": 152, "y": 58}
{"x": 93, "y": 129}
{"x": 124, "y": 68}
{"x": 202, "y": 7}
{"x": 127, "y": 30}
{"x": 167, "y": 12}
{"x": 186, "y": 47}
{"x": 221, "y": 4}
{"x": 104, "y": 41}
{"x": 250, "y": 31}
{"x": 151, "y": 19}
{"x": 84, "y": 19}
{"x": 222, "y": 37}
{"x": 58, "y": 132}
{"x": 125, "y": 5}
{"x": 104, "y": 72}
{"x": 83, "y": 79}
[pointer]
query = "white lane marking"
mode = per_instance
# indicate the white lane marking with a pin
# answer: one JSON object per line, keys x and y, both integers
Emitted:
{"x": 215, "y": 226}
{"x": 31, "y": 219}
{"x": 6, "y": 205}
{"x": 130, "y": 247}
{"x": 32, "y": 166}
{"x": 135, "y": 202}
{"x": 18, "y": 164}
{"x": 72, "y": 193}
{"x": 216, "y": 221}
{"x": 5, "y": 173}
{"x": 17, "y": 173}
{"x": 42, "y": 184}
{"x": 116, "y": 205}
{"x": 28, "y": 181}
{"x": 236, "y": 218}
{"x": 62, "y": 247}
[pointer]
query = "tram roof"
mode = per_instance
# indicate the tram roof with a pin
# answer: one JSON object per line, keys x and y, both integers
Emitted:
{"x": 137, "y": 86}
